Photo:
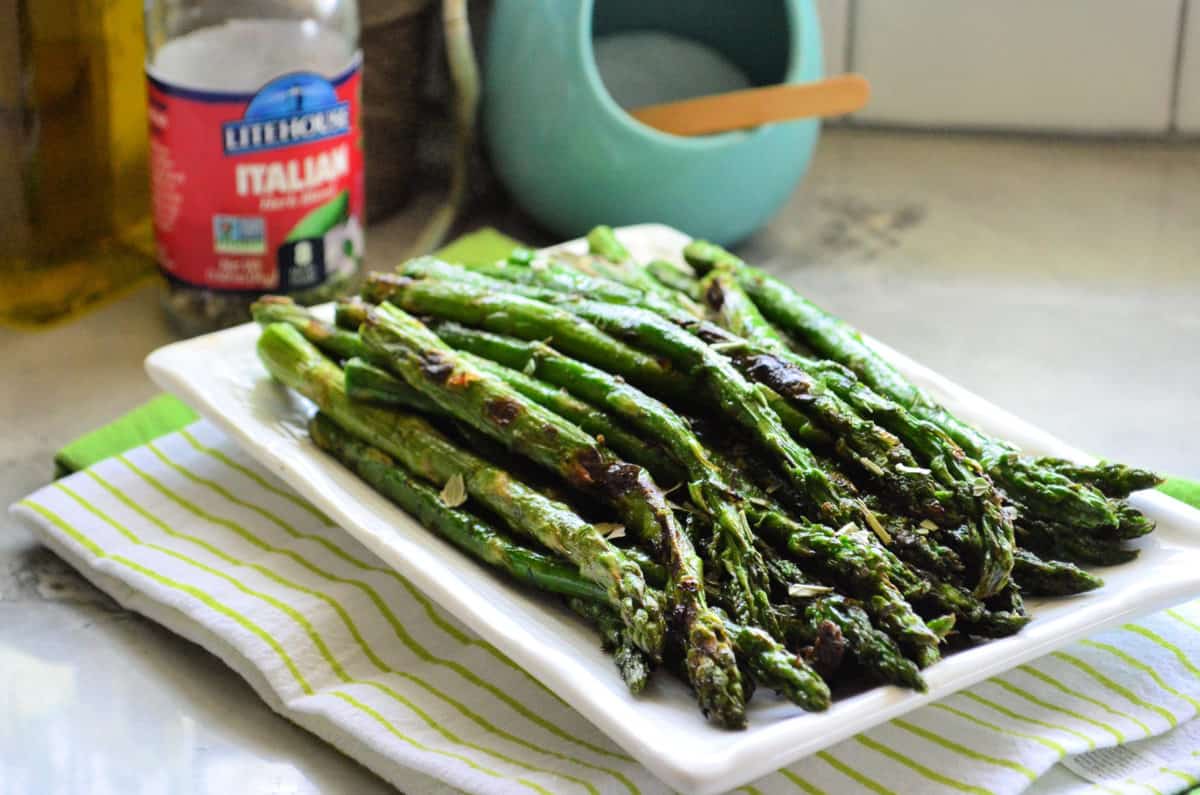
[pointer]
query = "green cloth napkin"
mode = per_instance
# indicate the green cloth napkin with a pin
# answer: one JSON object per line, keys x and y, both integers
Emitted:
{"x": 165, "y": 414}
{"x": 1183, "y": 490}
{"x": 157, "y": 417}
{"x": 479, "y": 247}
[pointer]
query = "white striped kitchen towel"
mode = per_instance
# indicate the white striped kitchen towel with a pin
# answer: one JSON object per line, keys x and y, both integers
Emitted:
{"x": 194, "y": 535}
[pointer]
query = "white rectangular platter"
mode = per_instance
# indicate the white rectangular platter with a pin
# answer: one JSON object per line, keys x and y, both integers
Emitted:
{"x": 221, "y": 377}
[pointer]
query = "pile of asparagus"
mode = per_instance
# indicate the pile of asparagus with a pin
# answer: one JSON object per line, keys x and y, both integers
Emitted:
{"x": 721, "y": 477}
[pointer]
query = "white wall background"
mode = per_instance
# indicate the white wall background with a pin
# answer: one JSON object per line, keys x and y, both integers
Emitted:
{"x": 1086, "y": 66}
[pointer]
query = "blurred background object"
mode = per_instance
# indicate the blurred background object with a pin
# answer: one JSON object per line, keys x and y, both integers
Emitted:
{"x": 1092, "y": 67}
{"x": 73, "y": 174}
{"x": 571, "y": 155}
{"x": 463, "y": 68}
{"x": 1079, "y": 68}
{"x": 74, "y": 182}
{"x": 395, "y": 38}
{"x": 74, "y": 177}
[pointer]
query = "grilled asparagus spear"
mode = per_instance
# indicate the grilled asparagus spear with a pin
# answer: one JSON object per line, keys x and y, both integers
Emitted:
{"x": 1045, "y": 492}
{"x": 958, "y": 476}
{"x": 416, "y": 354}
{"x": 459, "y": 527}
{"x": 423, "y": 450}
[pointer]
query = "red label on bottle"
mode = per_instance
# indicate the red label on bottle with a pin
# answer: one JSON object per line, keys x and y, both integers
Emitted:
{"x": 258, "y": 192}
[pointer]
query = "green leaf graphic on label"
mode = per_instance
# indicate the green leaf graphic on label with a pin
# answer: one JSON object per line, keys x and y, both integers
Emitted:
{"x": 321, "y": 219}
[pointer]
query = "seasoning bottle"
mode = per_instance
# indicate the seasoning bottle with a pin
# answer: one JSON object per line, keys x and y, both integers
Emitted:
{"x": 256, "y": 154}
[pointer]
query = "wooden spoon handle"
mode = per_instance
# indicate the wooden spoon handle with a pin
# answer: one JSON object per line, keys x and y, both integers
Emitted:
{"x": 738, "y": 110}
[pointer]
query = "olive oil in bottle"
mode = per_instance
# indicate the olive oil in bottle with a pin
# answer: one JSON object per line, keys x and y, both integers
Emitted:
{"x": 74, "y": 182}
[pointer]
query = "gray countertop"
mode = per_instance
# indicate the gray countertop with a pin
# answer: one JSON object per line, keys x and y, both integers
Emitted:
{"x": 1058, "y": 279}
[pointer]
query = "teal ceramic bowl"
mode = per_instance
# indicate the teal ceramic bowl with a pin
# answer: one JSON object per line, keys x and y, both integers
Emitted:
{"x": 573, "y": 158}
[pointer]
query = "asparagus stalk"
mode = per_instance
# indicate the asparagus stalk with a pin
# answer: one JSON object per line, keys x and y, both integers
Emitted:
{"x": 457, "y": 526}
{"x": 421, "y": 449}
{"x": 1110, "y": 479}
{"x": 872, "y": 649}
{"x": 920, "y": 569}
{"x": 970, "y": 615}
{"x": 820, "y": 642}
{"x": 367, "y": 382}
{"x": 643, "y": 452}
{"x": 602, "y": 242}
{"x": 655, "y": 572}
{"x": 934, "y": 584}
{"x": 774, "y": 666}
{"x": 738, "y": 557}
{"x": 829, "y": 627}
{"x": 1061, "y": 542}
{"x": 726, "y": 388}
{"x": 946, "y": 460}
{"x": 830, "y": 621}
{"x": 640, "y": 316}
{"x": 1039, "y": 577}
{"x": 633, "y": 664}
{"x": 485, "y": 543}
{"x": 919, "y": 549}
{"x": 972, "y": 490}
{"x": 766, "y": 659}
{"x": 555, "y": 282}
{"x": 437, "y": 371}
{"x": 380, "y": 285}
{"x": 741, "y": 563}
{"x": 778, "y": 669}
{"x": 850, "y": 557}
{"x": 371, "y": 384}
{"x": 531, "y": 320}
{"x": 350, "y": 313}
{"x": 1003, "y": 615}
{"x": 590, "y": 264}
{"x": 865, "y": 569}
{"x": 674, "y": 277}
{"x": 590, "y": 384}
{"x": 554, "y": 278}
{"x": 1133, "y": 523}
{"x": 1045, "y": 492}
{"x": 876, "y": 451}
{"x": 363, "y": 380}
{"x": 549, "y": 281}
{"x": 338, "y": 343}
